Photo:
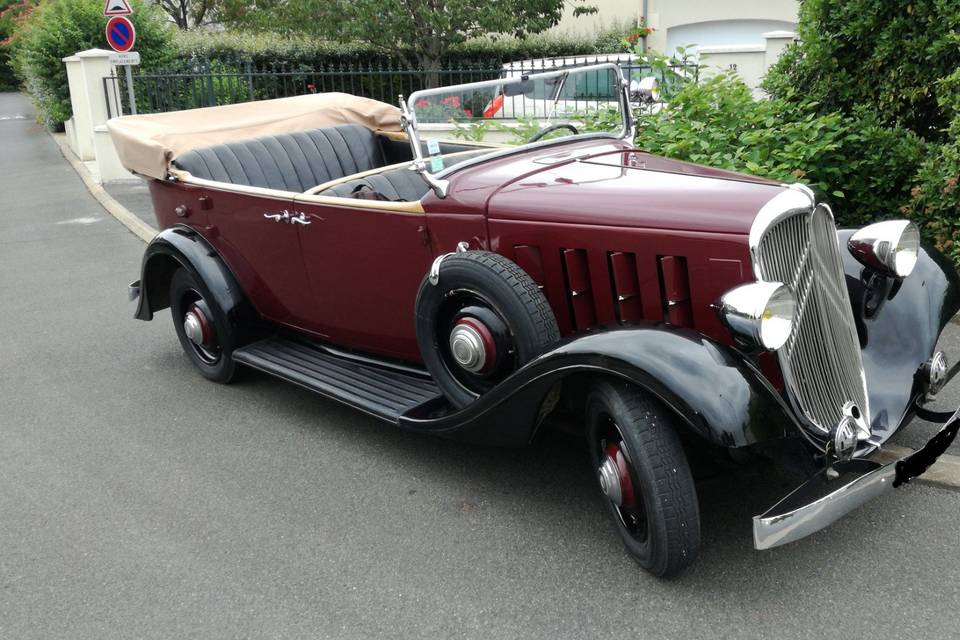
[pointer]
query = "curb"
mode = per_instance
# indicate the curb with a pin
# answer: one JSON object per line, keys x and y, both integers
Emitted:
{"x": 945, "y": 473}
{"x": 137, "y": 226}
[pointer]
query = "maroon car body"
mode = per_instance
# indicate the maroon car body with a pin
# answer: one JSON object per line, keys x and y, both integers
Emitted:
{"x": 635, "y": 256}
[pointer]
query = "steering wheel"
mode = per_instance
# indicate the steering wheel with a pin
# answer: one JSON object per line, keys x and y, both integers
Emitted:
{"x": 554, "y": 127}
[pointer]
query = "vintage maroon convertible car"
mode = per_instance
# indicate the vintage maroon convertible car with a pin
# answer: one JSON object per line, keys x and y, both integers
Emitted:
{"x": 471, "y": 289}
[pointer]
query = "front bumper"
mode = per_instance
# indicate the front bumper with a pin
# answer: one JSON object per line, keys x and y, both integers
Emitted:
{"x": 837, "y": 491}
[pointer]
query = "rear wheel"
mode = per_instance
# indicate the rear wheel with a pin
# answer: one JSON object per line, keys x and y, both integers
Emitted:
{"x": 644, "y": 476}
{"x": 202, "y": 328}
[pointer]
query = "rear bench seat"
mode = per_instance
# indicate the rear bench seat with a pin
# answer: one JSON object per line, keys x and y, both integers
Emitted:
{"x": 303, "y": 160}
{"x": 288, "y": 161}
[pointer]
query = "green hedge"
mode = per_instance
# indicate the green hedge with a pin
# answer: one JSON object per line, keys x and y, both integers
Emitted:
{"x": 60, "y": 28}
{"x": 866, "y": 168}
{"x": 12, "y": 12}
{"x": 936, "y": 202}
{"x": 887, "y": 56}
{"x": 271, "y": 50}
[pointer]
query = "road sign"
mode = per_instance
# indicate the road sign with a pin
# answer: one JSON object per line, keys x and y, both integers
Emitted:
{"x": 120, "y": 34}
{"x": 128, "y": 59}
{"x": 117, "y": 8}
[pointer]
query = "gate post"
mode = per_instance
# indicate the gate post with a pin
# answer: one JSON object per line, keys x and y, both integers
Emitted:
{"x": 92, "y": 106}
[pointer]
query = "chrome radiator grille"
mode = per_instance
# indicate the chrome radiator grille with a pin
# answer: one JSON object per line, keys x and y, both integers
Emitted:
{"x": 821, "y": 362}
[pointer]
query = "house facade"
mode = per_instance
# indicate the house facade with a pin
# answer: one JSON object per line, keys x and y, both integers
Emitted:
{"x": 744, "y": 35}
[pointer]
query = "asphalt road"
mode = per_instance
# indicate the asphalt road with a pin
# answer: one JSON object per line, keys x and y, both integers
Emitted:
{"x": 138, "y": 500}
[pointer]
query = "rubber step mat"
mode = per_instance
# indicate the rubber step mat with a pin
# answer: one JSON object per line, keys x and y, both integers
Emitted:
{"x": 380, "y": 390}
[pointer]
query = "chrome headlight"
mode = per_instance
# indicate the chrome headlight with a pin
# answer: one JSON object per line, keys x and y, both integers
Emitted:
{"x": 892, "y": 246}
{"x": 761, "y": 312}
{"x": 645, "y": 90}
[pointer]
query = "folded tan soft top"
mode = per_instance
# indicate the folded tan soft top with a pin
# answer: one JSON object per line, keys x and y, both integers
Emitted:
{"x": 147, "y": 144}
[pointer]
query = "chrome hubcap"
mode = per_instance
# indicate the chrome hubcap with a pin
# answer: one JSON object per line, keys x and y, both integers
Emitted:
{"x": 609, "y": 474}
{"x": 467, "y": 348}
{"x": 193, "y": 327}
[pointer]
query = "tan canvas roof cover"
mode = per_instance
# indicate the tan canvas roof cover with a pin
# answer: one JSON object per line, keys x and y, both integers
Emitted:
{"x": 147, "y": 143}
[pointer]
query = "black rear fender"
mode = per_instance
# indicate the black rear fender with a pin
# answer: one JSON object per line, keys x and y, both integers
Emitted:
{"x": 181, "y": 247}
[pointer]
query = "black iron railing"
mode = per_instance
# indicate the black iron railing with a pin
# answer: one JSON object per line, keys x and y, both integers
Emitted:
{"x": 208, "y": 83}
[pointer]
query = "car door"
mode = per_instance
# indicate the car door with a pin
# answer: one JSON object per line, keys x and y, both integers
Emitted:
{"x": 365, "y": 264}
{"x": 254, "y": 234}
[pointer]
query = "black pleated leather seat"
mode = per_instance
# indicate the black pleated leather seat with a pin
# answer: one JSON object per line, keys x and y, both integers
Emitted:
{"x": 398, "y": 185}
{"x": 290, "y": 161}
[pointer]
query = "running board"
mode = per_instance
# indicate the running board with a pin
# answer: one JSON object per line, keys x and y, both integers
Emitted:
{"x": 384, "y": 391}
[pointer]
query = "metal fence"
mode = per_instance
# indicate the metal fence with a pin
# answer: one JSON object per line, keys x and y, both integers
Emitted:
{"x": 208, "y": 83}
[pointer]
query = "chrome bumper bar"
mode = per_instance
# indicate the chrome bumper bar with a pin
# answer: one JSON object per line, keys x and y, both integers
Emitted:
{"x": 821, "y": 501}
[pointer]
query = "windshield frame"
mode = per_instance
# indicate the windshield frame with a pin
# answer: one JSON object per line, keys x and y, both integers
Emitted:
{"x": 438, "y": 181}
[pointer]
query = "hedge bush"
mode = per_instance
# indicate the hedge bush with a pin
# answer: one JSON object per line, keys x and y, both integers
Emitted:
{"x": 298, "y": 52}
{"x": 867, "y": 168}
{"x": 885, "y": 56}
{"x": 936, "y": 202}
{"x": 60, "y": 28}
{"x": 12, "y": 13}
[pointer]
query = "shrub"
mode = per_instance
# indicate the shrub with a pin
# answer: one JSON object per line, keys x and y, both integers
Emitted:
{"x": 12, "y": 14}
{"x": 866, "y": 167}
{"x": 886, "y": 56}
{"x": 936, "y": 198}
{"x": 60, "y": 28}
{"x": 292, "y": 51}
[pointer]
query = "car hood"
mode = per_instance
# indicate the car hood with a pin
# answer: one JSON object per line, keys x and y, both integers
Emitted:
{"x": 630, "y": 188}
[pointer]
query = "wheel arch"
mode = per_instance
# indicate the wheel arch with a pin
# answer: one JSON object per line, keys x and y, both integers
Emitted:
{"x": 717, "y": 394}
{"x": 182, "y": 247}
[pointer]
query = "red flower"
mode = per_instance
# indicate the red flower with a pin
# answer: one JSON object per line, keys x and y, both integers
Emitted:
{"x": 468, "y": 113}
{"x": 451, "y": 101}
{"x": 421, "y": 103}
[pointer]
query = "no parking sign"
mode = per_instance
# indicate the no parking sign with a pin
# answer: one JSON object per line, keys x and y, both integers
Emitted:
{"x": 120, "y": 34}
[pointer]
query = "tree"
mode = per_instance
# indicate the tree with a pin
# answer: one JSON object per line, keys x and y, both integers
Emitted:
{"x": 884, "y": 56}
{"x": 187, "y": 14}
{"x": 420, "y": 32}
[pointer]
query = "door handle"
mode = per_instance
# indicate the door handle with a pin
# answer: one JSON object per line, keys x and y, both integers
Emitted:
{"x": 300, "y": 219}
{"x": 283, "y": 216}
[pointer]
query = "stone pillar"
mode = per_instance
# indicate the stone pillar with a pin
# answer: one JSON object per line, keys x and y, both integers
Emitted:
{"x": 777, "y": 41}
{"x": 93, "y": 104}
{"x": 85, "y": 73}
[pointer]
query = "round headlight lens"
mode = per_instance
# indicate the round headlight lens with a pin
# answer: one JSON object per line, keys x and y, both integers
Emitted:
{"x": 776, "y": 323}
{"x": 906, "y": 252}
{"x": 762, "y": 312}
{"x": 892, "y": 246}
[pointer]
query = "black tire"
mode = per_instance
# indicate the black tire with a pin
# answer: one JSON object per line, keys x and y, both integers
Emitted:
{"x": 499, "y": 291}
{"x": 214, "y": 361}
{"x": 668, "y": 538}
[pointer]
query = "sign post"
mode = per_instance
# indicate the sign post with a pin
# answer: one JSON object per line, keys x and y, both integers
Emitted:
{"x": 121, "y": 36}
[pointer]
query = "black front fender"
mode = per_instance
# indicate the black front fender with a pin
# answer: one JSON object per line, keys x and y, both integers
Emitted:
{"x": 899, "y": 322}
{"x": 717, "y": 393}
{"x": 182, "y": 247}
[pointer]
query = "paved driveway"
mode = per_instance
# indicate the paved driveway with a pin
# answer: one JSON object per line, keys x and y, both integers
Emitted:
{"x": 137, "y": 500}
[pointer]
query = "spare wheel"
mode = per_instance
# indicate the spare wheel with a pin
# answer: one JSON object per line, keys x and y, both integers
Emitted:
{"x": 482, "y": 320}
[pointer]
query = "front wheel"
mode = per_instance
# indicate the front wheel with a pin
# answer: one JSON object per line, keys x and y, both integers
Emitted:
{"x": 202, "y": 328}
{"x": 644, "y": 476}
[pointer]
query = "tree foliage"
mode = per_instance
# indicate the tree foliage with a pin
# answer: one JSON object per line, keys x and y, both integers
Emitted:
{"x": 885, "y": 56}
{"x": 61, "y": 28}
{"x": 420, "y": 32}
{"x": 867, "y": 169}
{"x": 187, "y": 14}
